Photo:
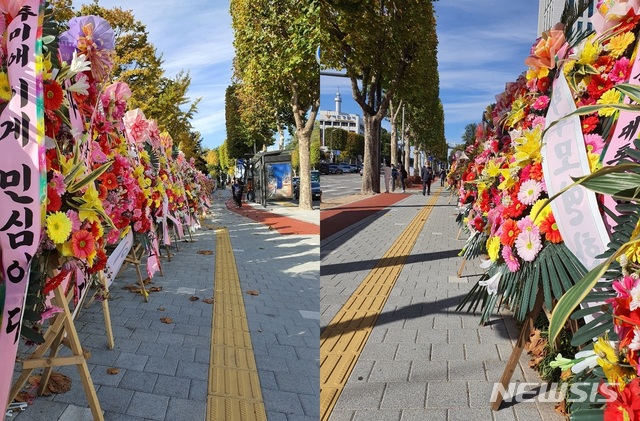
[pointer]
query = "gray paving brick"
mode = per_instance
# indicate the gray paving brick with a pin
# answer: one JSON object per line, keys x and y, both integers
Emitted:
{"x": 100, "y": 376}
{"x": 152, "y": 349}
{"x": 482, "y": 352}
{"x": 390, "y": 371}
{"x": 131, "y": 361}
{"x": 148, "y": 406}
{"x": 424, "y": 415}
{"x": 404, "y": 396}
{"x": 183, "y": 409}
{"x": 364, "y": 396}
{"x": 138, "y": 381}
{"x": 192, "y": 370}
{"x": 286, "y": 402}
{"x": 413, "y": 351}
{"x": 446, "y": 352}
{"x": 172, "y": 386}
{"x": 466, "y": 370}
{"x": 427, "y": 371}
{"x": 114, "y": 399}
{"x": 447, "y": 395}
{"x": 378, "y": 415}
{"x": 198, "y": 391}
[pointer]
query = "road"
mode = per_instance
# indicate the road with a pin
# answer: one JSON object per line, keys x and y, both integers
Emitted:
{"x": 338, "y": 185}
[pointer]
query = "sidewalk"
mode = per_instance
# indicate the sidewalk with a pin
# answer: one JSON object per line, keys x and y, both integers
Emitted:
{"x": 164, "y": 370}
{"x": 411, "y": 357}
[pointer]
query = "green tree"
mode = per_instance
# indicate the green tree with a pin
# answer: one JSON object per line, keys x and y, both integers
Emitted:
{"x": 315, "y": 153}
{"x": 275, "y": 45}
{"x": 377, "y": 43}
{"x": 355, "y": 145}
{"x": 469, "y": 135}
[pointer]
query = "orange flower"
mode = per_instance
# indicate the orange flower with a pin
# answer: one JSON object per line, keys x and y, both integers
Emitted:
{"x": 53, "y": 95}
{"x": 103, "y": 192}
{"x": 510, "y": 232}
{"x": 82, "y": 244}
{"x": 110, "y": 181}
{"x": 549, "y": 227}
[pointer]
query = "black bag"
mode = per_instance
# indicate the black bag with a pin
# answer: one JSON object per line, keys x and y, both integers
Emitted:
{"x": 403, "y": 172}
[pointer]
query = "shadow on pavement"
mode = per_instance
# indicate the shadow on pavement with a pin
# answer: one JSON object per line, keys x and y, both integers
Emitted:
{"x": 386, "y": 261}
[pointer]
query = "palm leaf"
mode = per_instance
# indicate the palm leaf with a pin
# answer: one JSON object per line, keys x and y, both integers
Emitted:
{"x": 90, "y": 178}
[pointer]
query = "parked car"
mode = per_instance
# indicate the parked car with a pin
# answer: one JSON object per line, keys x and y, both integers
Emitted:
{"x": 316, "y": 193}
{"x": 335, "y": 169}
{"x": 354, "y": 168}
{"x": 324, "y": 168}
{"x": 295, "y": 181}
{"x": 345, "y": 168}
{"x": 315, "y": 175}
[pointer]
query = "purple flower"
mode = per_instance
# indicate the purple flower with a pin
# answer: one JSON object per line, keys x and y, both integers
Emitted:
{"x": 93, "y": 37}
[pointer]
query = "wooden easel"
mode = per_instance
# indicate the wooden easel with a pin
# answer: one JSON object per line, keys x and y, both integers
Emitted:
{"x": 134, "y": 258}
{"x": 517, "y": 351}
{"x": 61, "y": 331}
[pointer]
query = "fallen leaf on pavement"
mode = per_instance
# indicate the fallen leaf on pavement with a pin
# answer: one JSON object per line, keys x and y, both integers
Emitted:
{"x": 58, "y": 383}
{"x": 208, "y": 300}
{"x": 193, "y": 298}
{"x": 155, "y": 289}
{"x": 160, "y": 308}
{"x": 253, "y": 292}
{"x": 205, "y": 252}
{"x": 147, "y": 281}
{"x": 113, "y": 370}
{"x": 167, "y": 320}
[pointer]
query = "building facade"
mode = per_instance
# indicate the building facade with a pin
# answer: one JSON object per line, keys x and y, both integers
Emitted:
{"x": 550, "y": 12}
{"x": 336, "y": 119}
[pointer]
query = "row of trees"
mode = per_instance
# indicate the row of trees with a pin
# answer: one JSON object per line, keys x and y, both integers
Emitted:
{"x": 137, "y": 63}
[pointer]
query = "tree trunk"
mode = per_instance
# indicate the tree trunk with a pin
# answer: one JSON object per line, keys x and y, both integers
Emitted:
{"x": 393, "y": 114}
{"x": 303, "y": 133}
{"x": 407, "y": 148}
{"x": 371, "y": 172}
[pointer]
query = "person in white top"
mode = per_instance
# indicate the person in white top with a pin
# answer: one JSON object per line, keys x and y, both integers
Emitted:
{"x": 387, "y": 176}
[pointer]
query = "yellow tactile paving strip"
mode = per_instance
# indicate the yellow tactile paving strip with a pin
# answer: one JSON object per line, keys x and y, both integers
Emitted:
{"x": 342, "y": 341}
{"x": 234, "y": 387}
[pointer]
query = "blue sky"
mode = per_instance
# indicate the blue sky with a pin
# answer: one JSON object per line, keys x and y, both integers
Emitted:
{"x": 482, "y": 46}
{"x": 194, "y": 35}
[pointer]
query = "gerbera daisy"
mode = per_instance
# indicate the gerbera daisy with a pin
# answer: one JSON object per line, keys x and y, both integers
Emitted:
{"x": 589, "y": 124}
{"x": 57, "y": 183}
{"x": 621, "y": 70}
{"x": 529, "y": 192}
{"x": 58, "y": 227}
{"x": 528, "y": 245}
{"x": 493, "y": 248}
{"x": 54, "y": 202}
{"x": 83, "y": 244}
{"x": 510, "y": 259}
{"x": 53, "y": 95}
{"x": 549, "y": 227}
{"x": 510, "y": 232}
{"x": 74, "y": 218}
{"x": 594, "y": 143}
{"x": 612, "y": 96}
{"x": 619, "y": 43}
{"x": 541, "y": 103}
{"x": 110, "y": 181}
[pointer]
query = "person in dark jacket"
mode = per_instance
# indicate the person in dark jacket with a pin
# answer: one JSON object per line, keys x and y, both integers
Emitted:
{"x": 426, "y": 174}
{"x": 402, "y": 172}
{"x": 236, "y": 191}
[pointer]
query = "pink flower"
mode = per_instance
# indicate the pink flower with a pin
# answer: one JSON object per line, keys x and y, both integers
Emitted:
{"x": 528, "y": 245}
{"x": 113, "y": 236}
{"x": 136, "y": 125}
{"x": 75, "y": 220}
{"x": 594, "y": 143}
{"x": 621, "y": 70}
{"x": 529, "y": 192}
{"x": 97, "y": 155}
{"x": 49, "y": 313}
{"x": 541, "y": 103}
{"x": 526, "y": 224}
{"x": 57, "y": 183}
{"x": 511, "y": 260}
{"x": 538, "y": 121}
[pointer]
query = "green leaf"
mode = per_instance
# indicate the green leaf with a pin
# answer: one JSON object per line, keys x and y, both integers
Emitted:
{"x": 571, "y": 299}
{"x": 75, "y": 186}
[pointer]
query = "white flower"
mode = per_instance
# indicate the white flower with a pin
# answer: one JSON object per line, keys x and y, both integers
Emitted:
{"x": 81, "y": 85}
{"x": 485, "y": 263}
{"x": 635, "y": 298}
{"x": 529, "y": 192}
{"x": 587, "y": 359}
{"x": 635, "y": 342}
{"x": 78, "y": 64}
{"x": 492, "y": 284}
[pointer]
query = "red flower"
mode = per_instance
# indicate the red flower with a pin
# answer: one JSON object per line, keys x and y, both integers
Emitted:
{"x": 516, "y": 208}
{"x": 52, "y": 283}
{"x": 52, "y": 125}
{"x": 549, "y": 227}
{"x": 82, "y": 243}
{"x": 103, "y": 192}
{"x": 100, "y": 262}
{"x": 629, "y": 21}
{"x": 510, "y": 231}
{"x": 110, "y": 181}
{"x": 536, "y": 171}
{"x": 589, "y": 124}
{"x": 543, "y": 84}
{"x": 54, "y": 202}
{"x": 623, "y": 404}
{"x": 53, "y": 95}
{"x": 598, "y": 85}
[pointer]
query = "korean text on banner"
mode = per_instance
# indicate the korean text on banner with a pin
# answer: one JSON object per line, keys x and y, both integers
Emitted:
{"x": 21, "y": 183}
{"x": 564, "y": 156}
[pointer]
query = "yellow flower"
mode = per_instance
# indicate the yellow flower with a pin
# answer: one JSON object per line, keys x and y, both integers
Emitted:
{"x": 66, "y": 249}
{"x": 594, "y": 161}
{"x": 568, "y": 67}
{"x": 619, "y": 43}
{"x": 612, "y": 96}
{"x": 537, "y": 209}
{"x": 5, "y": 88}
{"x": 590, "y": 52}
{"x": 58, "y": 227}
{"x": 492, "y": 169}
{"x": 493, "y": 247}
{"x": 608, "y": 360}
{"x": 517, "y": 112}
{"x": 138, "y": 171}
{"x": 528, "y": 146}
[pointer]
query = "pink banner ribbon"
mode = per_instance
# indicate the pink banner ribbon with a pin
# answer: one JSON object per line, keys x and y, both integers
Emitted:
{"x": 21, "y": 188}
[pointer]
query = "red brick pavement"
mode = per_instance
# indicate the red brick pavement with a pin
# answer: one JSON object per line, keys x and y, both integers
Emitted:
{"x": 283, "y": 224}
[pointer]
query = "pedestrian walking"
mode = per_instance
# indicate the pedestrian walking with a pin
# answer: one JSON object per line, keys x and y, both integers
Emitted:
{"x": 403, "y": 175}
{"x": 251, "y": 194}
{"x": 426, "y": 174}
{"x": 394, "y": 177}
{"x": 387, "y": 176}
{"x": 236, "y": 191}
{"x": 443, "y": 175}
